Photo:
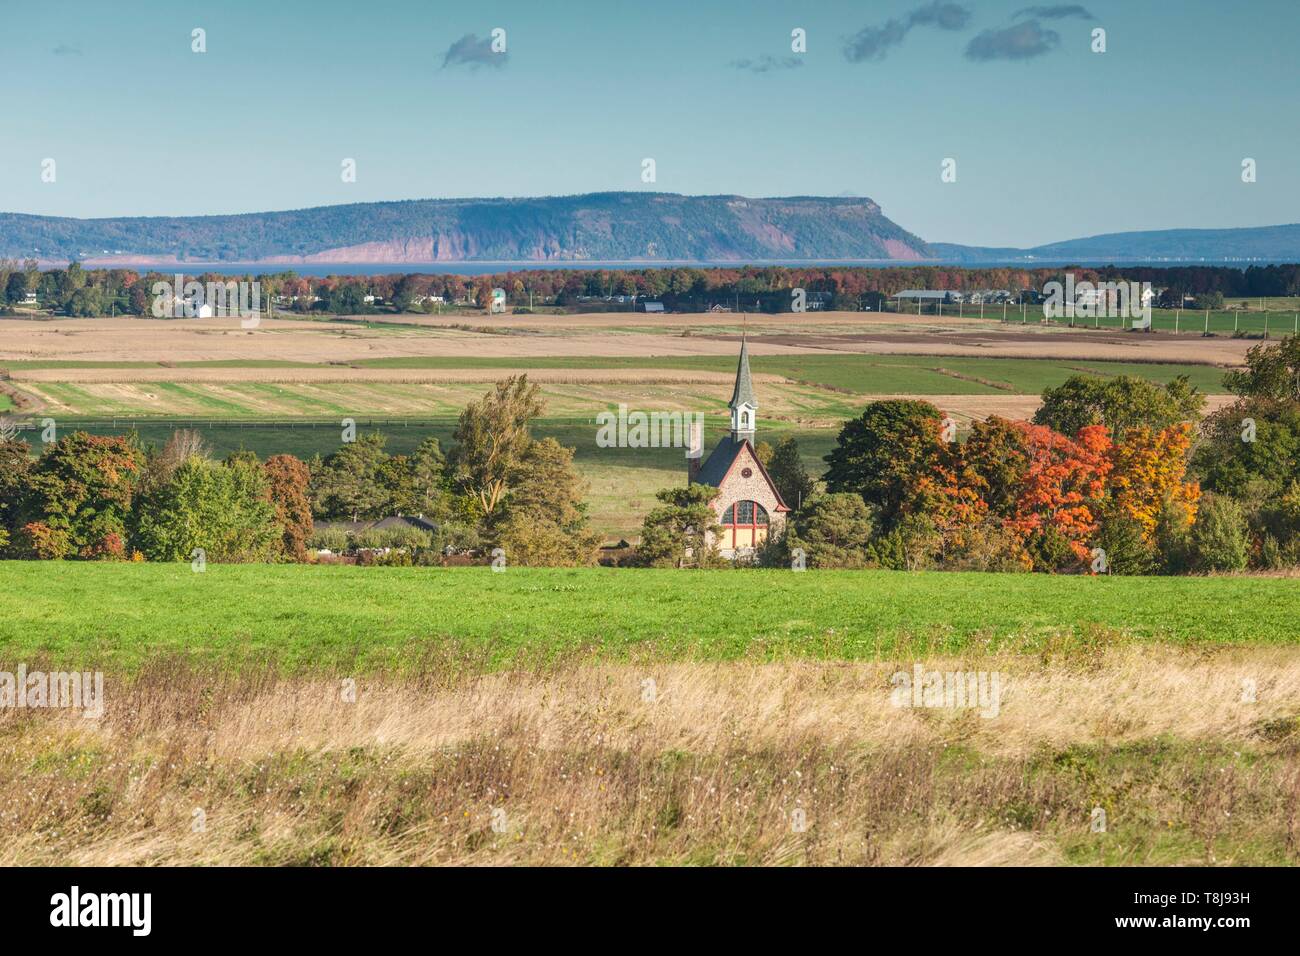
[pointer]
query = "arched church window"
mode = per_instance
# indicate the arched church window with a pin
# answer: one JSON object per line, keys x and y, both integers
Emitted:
{"x": 746, "y": 514}
{"x": 744, "y": 525}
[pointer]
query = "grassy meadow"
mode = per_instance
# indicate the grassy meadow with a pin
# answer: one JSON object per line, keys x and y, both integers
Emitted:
{"x": 339, "y": 617}
{"x": 357, "y": 716}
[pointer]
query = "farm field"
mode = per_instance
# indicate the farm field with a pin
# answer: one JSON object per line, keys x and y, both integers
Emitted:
{"x": 804, "y": 391}
{"x": 1280, "y": 316}
{"x": 119, "y": 615}
{"x": 286, "y": 386}
{"x": 858, "y": 373}
{"x": 175, "y": 342}
{"x": 352, "y": 716}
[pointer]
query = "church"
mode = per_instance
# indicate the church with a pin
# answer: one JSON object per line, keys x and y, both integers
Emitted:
{"x": 748, "y": 506}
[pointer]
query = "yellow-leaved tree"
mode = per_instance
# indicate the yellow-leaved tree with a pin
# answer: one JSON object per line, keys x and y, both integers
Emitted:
{"x": 1148, "y": 469}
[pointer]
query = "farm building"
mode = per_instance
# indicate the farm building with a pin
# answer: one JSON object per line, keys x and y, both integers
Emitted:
{"x": 929, "y": 295}
{"x": 418, "y": 522}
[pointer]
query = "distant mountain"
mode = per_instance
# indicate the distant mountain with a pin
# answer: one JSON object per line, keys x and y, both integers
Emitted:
{"x": 597, "y": 226}
{"x": 1260, "y": 242}
{"x": 602, "y": 227}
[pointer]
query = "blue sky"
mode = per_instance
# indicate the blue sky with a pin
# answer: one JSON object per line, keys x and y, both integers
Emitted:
{"x": 1064, "y": 143}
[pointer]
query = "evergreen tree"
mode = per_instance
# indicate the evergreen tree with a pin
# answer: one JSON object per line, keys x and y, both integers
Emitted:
{"x": 788, "y": 473}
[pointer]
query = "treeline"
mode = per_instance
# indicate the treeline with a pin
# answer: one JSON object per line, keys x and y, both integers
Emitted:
{"x": 111, "y": 498}
{"x": 1111, "y": 476}
{"x": 81, "y": 292}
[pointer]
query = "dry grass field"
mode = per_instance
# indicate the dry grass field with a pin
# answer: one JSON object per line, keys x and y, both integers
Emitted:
{"x": 616, "y": 335}
{"x": 686, "y": 763}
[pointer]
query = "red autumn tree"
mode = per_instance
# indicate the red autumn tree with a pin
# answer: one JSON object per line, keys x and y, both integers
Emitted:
{"x": 289, "y": 478}
{"x": 1063, "y": 486}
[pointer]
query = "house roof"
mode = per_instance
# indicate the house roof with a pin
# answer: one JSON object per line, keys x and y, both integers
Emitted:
{"x": 743, "y": 393}
{"x": 923, "y": 294}
{"x": 380, "y": 524}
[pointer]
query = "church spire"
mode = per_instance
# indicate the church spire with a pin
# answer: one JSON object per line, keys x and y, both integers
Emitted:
{"x": 743, "y": 404}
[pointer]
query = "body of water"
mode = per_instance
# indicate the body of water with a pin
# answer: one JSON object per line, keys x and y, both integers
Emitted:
{"x": 477, "y": 268}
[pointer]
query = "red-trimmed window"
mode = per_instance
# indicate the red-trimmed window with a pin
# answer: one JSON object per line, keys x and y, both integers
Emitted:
{"x": 745, "y": 522}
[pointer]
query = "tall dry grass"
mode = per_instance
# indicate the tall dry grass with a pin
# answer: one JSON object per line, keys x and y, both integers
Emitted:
{"x": 586, "y": 763}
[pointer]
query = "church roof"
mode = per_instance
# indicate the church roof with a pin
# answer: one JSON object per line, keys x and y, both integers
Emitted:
{"x": 719, "y": 463}
{"x": 743, "y": 393}
{"x": 714, "y": 470}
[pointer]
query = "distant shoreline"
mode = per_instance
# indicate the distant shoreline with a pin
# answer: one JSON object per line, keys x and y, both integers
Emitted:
{"x": 489, "y": 267}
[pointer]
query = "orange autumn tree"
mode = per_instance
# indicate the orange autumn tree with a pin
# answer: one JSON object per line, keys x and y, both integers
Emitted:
{"x": 947, "y": 492}
{"x": 1050, "y": 492}
{"x": 1148, "y": 468}
{"x": 1063, "y": 486}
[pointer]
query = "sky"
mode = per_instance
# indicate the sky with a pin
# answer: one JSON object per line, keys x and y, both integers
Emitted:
{"x": 1051, "y": 140}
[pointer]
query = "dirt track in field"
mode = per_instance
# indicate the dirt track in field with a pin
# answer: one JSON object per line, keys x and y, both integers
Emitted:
{"x": 394, "y": 375}
{"x": 614, "y": 335}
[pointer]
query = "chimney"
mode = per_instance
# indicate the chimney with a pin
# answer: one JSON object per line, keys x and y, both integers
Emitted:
{"x": 694, "y": 451}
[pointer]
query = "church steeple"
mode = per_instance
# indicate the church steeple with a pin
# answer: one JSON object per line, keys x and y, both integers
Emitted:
{"x": 744, "y": 407}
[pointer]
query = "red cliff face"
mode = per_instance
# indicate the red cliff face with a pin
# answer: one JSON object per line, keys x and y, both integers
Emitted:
{"x": 641, "y": 227}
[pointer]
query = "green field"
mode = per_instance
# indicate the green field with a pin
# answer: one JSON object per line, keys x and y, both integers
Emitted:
{"x": 1280, "y": 316}
{"x": 868, "y": 374}
{"x": 116, "y": 616}
{"x": 850, "y": 372}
